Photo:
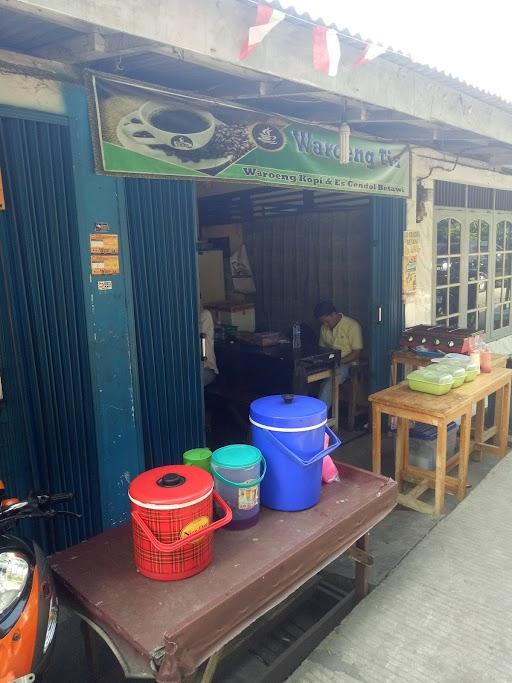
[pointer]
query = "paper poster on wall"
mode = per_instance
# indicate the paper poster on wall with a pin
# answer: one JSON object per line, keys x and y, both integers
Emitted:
{"x": 410, "y": 259}
{"x": 104, "y": 243}
{"x": 102, "y": 264}
{"x": 145, "y": 130}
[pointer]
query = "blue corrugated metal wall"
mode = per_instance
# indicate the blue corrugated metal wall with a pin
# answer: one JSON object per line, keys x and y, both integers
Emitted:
{"x": 44, "y": 306}
{"x": 388, "y": 225}
{"x": 162, "y": 227}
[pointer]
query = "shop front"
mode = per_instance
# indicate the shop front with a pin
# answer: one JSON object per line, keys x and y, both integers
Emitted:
{"x": 116, "y": 219}
{"x": 295, "y": 229}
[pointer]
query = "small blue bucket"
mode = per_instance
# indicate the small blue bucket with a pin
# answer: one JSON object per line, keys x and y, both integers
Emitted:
{"x": 290, "y": 431}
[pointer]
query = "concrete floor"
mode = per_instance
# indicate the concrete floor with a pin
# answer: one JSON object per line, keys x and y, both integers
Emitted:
{"x": 443, "y": 614}
{"x": 391, "y": 541}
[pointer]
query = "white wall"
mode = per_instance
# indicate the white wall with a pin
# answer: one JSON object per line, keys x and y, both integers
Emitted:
{"x": 418, "y": 307}
{"x": 27, "y": 92}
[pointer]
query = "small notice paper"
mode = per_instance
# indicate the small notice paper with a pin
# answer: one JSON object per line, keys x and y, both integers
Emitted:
{"x": 104, "y": 265}
{"x": 104, "y": 244}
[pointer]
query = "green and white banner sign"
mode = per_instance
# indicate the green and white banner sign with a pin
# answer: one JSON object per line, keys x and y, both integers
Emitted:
{"x": 144, "y": 130}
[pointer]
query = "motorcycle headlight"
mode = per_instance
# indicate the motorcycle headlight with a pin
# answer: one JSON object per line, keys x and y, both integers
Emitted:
{"x": 14, "y": 574}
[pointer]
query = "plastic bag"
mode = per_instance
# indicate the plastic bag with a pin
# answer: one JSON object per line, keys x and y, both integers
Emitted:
{"x": 329, "y": 470}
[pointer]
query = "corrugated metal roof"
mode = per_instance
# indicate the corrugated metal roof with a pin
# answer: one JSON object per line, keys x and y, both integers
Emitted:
{"x": 302, "y": 10}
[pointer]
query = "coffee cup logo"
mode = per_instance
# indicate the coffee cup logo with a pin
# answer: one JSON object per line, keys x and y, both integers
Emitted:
{"x": 179, "y": 128}
{"x": 268, "y": 137}
{"x": 181, "y": 142}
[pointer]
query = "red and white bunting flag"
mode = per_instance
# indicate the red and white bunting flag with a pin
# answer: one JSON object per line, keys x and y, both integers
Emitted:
{"x": 267, "y": 19}
{"x": 371, "y": 52}
{"x": 326, "y": 50}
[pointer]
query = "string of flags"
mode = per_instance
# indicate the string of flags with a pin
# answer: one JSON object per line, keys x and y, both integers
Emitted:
{"x": 326, "y": 42}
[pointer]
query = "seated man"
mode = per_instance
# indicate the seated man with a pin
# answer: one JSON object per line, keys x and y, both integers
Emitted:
{"x": 342, "y": 333}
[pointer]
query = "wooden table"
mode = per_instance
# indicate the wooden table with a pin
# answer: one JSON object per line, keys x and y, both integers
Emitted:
{"x": 253, "y": 571}
{"x": 406, "y": 405}
{"x": 413, "y": 361}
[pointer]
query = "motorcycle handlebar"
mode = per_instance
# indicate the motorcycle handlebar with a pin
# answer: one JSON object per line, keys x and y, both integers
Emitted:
{"x": 61, "y": 497}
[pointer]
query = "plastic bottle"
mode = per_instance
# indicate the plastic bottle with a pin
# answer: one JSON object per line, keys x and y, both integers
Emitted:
{"x": 296, "y": 336}
{"x": 474, "y": 350}
{"x": 485, "y": 359}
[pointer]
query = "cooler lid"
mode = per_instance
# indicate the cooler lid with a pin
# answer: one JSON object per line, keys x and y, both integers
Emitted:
{"x": 178, "y": 485}
{"x": 237, "y": 456}
{"x": 288, "y": 412}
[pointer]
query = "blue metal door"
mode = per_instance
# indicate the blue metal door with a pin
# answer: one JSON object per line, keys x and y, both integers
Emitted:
{"x": 47, "y": 430}
{"x": 387, "y": 311}
{"x": 162, "y": 226}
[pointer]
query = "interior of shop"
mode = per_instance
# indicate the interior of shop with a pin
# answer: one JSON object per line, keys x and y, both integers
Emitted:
{"x": 267, "y": 256}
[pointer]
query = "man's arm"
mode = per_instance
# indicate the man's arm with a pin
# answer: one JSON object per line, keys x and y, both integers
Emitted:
{"x": 356, "y": 343}
{"x": 351, "y": 357}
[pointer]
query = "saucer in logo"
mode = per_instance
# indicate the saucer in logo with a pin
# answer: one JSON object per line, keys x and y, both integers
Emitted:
{"x": 268, "y": 137}
{"x": 181, "y": 142}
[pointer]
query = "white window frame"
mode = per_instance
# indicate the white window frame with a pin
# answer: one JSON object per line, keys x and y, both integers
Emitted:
{"x": 465, "y": 218}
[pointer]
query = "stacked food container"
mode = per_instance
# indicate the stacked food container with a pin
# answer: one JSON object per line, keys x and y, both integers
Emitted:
{"x": 443, "y": 375}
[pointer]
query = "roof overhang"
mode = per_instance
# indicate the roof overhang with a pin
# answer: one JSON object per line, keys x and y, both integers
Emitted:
{"x": 200, "y": 52}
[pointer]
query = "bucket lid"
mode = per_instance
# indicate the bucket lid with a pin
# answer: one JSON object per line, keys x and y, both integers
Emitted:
{"x": 236, "y": 456}
{"x": 197, "y": 454}
{"x": 178, "y": 485}
{"x": 289, "y": 412}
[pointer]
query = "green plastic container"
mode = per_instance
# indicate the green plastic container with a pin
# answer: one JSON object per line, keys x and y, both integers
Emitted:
{"x": 431, "y": 380}
{"x": 199, "y": 457}
{"x": 472, "y": 372}
{"x": 455, "y": 368}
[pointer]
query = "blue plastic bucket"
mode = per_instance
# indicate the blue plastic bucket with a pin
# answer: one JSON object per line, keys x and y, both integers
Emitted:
{"x": 238, "y": 471}
{"x": 290, "y": 431}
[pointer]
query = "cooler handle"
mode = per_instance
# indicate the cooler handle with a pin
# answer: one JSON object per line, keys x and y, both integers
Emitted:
{"x": 315, "y": 458}
{"x": 177, "y": 545}
{"x": 241, "y": 485}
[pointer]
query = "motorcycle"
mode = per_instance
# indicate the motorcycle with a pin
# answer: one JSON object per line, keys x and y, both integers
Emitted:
{"x": 29, "y": 607}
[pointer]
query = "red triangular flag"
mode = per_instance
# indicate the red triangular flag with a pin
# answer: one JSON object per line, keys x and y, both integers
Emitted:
{"x": 267, "y": 19}
{"x": 326, "y": 50}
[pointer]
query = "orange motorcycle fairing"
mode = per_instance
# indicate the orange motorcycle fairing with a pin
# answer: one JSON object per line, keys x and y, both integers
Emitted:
{"x": 18, "y": 646}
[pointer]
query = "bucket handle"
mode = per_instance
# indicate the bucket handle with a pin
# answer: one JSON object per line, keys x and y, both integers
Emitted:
{"x": 315, "y": 458}
{"x": 239, "y": 484}
{"x": 181, "y": 543}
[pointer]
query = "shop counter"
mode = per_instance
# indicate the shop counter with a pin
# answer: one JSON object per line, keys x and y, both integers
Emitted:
{"x": 168, "y": 629}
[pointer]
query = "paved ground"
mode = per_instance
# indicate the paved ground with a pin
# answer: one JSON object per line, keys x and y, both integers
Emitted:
{"x": 443, "y": 615}
{"x": 391, "y": 541}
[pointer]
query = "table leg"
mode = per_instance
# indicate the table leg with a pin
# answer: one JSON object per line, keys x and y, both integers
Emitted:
{"x": 465, "y": 441}
{"x": 498, "y": 407}
{"x": 503, "y": 419}
{"x": 335, "y": 401}
{"x": 361, "y": 570}
{"x": 402, "y": 445}
{"x": 442, "y": 434}
{"x": 376, "y": 438}
{"x": 479, "y": 428}
{"x": 91, "y": 653}
{"x": 393, "y": 373}
{"x": 211, "y": 667}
